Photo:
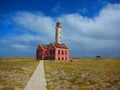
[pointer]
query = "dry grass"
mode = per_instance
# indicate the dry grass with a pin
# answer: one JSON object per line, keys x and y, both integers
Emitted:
{"x": 83, "y": 74}
{"x": 15, "y": 72}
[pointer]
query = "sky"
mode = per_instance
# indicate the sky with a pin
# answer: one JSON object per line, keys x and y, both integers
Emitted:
{"x": 89, "y": 27}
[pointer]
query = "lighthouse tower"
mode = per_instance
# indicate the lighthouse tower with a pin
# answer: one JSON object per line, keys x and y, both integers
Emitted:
{"x": 55, "y": 50}
{"x": 58, "y": 33}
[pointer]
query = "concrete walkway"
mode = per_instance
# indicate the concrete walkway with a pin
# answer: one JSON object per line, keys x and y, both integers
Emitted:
{"x": 37, "y": 81}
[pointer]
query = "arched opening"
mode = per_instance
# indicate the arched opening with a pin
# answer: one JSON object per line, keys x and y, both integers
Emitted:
{"x": 58, "y": 58}
{"x": 58, "y": 52}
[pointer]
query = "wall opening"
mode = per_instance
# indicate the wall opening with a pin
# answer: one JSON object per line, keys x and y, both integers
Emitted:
{"x": 58, "y": 58}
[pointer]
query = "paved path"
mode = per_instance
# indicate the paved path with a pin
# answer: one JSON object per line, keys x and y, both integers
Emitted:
{"x": 37, "y": 81}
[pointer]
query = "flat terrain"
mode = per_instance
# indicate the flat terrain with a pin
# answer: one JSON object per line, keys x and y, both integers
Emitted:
{"x": 15, "y": 72}
{"x": 83, "y": 74}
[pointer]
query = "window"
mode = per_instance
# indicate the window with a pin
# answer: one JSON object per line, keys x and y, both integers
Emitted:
{"x": 58, "y": 58}
{"x": 58, "y": 51}
{"x": 62, "y": 52}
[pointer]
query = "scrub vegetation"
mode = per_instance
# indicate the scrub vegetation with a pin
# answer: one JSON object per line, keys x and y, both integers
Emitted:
{"x": 83, "y": 74}
{"x": 16, "y": 72}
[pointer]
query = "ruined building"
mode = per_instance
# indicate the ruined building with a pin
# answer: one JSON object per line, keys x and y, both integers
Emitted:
{"x": 55, "y": 50}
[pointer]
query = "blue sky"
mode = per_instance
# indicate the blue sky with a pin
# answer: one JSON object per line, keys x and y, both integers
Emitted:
{"x": 89, "y": 27}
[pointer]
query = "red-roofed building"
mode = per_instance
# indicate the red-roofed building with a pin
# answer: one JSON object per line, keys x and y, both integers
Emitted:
{"x": 55, "y": 50}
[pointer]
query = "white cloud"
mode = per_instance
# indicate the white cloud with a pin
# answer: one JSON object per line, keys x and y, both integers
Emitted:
{"x": 99, "y": 34}
{"x": 106, "y": 25}
{"x": 27, "y": 37}
{"x": 19, "y": 47}
{"x": 84, "y": 36}
{"x": 35, "y": 22}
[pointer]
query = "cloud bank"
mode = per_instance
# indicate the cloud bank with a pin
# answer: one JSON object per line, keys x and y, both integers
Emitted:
{"x": 86, "y": 37}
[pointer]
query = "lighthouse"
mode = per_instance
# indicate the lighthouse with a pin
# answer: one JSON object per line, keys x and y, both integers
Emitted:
{"x": 54, "y": 50}
{"x": 58, "y": 33}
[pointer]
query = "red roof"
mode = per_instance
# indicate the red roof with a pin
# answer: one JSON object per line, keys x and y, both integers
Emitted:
{"x": 44, "y": 46}
{"x": 56, "y": 45}
{"x": 60, "y": 45}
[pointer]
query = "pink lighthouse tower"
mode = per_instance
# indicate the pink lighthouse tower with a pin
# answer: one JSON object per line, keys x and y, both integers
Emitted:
{"x": 58, "y": 33}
